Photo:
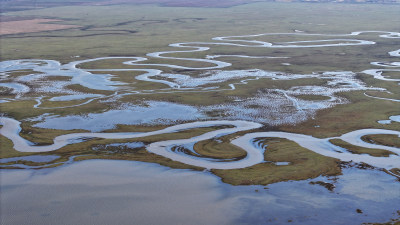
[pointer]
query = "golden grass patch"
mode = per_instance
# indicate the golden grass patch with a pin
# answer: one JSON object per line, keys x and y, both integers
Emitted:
{"x": 30, "y": 26}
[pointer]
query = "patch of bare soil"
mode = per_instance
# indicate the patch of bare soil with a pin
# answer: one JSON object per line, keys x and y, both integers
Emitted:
{"x": 32, "y": 25}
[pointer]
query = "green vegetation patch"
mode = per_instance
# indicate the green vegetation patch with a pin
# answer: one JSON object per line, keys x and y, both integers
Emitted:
{"x": 391, "y": 74}
{"x": 383, "y": 139}
{"x": 219, "y": 148}
{"x": 360, "y": 150}
{"x": 313, "y": 97}
{"x": 303, "y": 164}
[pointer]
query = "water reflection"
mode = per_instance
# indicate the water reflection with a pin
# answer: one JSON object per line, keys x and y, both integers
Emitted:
{"x": 119, "y": 192}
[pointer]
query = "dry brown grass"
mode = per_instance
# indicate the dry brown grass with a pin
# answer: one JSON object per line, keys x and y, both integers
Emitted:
{"x": 30, "y": 26}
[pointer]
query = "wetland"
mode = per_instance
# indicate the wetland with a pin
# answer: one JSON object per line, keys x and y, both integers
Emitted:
{"x": 250, "y": 114}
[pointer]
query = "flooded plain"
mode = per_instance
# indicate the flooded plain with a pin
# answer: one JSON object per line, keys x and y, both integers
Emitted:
{"x": 121, "y": 192}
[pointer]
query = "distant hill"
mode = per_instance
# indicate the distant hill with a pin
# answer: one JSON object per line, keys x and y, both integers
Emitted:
{"x": 17, "y": 5}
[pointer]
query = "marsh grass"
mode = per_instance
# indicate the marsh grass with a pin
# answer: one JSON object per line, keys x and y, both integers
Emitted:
{"x": 359, "y": 150}
{"x": 220, "y": 149}
{"x": 303, "y": 164}
{"x": 382, "y": 139}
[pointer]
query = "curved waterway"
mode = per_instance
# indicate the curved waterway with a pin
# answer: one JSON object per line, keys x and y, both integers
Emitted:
{"x": 341, "y": 81}
{"x": 99, "y": 81}
{"x": 11, "y": 129}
